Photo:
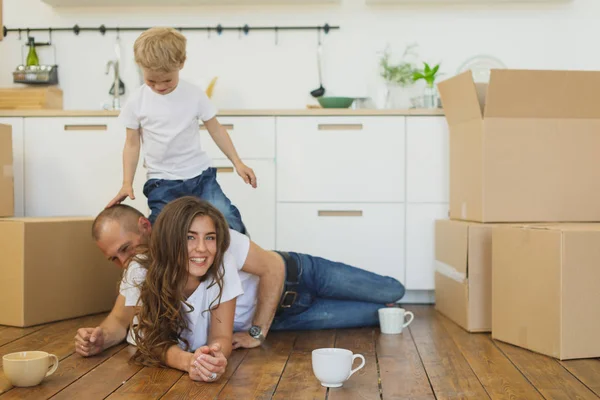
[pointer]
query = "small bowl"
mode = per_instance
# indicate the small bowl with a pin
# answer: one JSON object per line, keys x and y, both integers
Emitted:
{"x": 335, "y": 102}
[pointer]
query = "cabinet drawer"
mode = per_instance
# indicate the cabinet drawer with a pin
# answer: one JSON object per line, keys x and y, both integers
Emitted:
{"x": 340, "y": 159}
{"x": 74, "y": 166}
{"x": 367, "y": 236}
{"x": 428, "y": 160}
{"x": 257, "y": 206}
{"x": 253, "y": 137}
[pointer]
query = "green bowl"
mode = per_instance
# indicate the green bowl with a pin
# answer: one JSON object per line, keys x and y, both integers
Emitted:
{"x": 335, "y": 102}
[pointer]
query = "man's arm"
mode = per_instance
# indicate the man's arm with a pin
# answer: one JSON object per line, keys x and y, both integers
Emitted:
{"x": 112, "y": 331}
{"x": 270, "y": 268}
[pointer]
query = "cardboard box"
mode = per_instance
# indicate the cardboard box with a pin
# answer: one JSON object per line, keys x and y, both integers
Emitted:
{"x": 545, "y": 295}
{"x": 525, "y": 147}
{"x": 463, "y": 276}
{"x": 7, "y": 194}
{"x": 51, "y": 269}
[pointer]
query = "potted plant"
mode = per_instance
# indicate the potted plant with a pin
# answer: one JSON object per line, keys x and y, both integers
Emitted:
{"x": 398, "y": 76}
{"x": 429, "y": 75}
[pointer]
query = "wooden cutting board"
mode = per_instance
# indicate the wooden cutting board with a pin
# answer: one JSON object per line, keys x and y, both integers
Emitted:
{"x": 31, "y": 98}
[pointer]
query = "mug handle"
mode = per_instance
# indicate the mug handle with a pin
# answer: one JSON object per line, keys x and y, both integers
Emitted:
{"x": 412, "y": 316}
{"x": 354, "y": 357}
{"x": 54, "y": 364}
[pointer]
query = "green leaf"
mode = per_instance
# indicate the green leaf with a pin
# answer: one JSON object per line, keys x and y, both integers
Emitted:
{"x": 417, "y": 76}
{"x": 427, "y": 68}
{"x": 435, "y": 69}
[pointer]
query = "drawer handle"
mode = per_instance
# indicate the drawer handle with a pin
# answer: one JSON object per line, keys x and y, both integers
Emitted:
{"x": 85, "y": 127}
{"x": 226, "y": 170}
{"x": 229, "y": 127}
{"x": 340, "y": 213}
{"x": 340, "y": 127}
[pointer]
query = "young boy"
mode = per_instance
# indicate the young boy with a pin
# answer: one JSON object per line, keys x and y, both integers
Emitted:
{"x": 163, "y": 114}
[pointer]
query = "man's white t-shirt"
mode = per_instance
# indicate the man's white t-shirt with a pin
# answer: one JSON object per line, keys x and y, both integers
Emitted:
{"x": 236, "y": 284}
{"x": 169, "y": 127}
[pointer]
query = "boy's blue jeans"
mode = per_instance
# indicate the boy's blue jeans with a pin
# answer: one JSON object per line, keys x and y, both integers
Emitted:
{"x": 205, "y": 186}
{"x": 335, "y": 295}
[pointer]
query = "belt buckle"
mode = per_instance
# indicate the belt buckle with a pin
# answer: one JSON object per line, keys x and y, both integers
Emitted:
{"x": 283, "y": 303}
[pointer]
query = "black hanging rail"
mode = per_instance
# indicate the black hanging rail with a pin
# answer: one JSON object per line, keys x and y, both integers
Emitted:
{"x": 218, "y": 29}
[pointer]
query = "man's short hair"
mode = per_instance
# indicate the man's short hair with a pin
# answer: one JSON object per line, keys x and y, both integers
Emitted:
{"x": 125, "y": 215}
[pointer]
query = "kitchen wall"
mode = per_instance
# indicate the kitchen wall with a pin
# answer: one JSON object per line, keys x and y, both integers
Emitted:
{"x": 254, "y": 72}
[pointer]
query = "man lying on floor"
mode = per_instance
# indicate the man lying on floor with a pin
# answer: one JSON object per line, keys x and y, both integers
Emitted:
{"x": 193, "y": 282}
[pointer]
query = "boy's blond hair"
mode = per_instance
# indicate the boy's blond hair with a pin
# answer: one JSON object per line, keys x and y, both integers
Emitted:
{"x": 160, "y": 49}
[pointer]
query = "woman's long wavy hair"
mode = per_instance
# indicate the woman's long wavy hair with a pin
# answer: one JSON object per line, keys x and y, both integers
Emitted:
{"x": 161, "y": 315}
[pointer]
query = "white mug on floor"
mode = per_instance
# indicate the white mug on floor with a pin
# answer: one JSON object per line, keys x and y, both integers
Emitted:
{"x": 392, "y": 320}
{"x": 333, "y": 367}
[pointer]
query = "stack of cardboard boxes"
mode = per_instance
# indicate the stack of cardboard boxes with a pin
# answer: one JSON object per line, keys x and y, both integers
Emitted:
{"x": 520, "y": 255}
{"x": 50, "y": 268}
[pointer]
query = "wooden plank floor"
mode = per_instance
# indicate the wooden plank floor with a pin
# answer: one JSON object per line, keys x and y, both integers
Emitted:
{"x": 434, "y": 359}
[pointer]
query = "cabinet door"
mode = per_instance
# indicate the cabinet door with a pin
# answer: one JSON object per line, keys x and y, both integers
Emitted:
{"x": 340, "y": 159}
{"x": 428, "y": 160}
{"x": 253, "y": 137}
{"x": 73, "y": 166}
{"x": 420, "y": 244}
{"x": 257, "y": 206}
{"x": 17, "y": 147}
{"x": 367, "y": 236}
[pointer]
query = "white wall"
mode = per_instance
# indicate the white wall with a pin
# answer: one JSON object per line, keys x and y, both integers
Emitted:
{"x": 255, "y": 73}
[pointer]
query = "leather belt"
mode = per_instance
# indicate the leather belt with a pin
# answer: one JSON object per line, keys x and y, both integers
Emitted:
{"x": 292, "y": 280}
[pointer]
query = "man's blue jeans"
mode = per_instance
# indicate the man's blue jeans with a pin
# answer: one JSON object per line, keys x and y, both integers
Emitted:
{"x": 335, "y": 295}
{"x": 205, "y": 186}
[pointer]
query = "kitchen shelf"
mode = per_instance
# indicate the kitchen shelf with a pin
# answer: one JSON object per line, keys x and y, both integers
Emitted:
{"x": 170, "y": 3}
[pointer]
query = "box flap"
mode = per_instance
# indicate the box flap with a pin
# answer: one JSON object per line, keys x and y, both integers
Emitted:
{"x": 451, "y": 247}
{"x": 543, "y": 94}
{"x": 460, "y": 98}
{"x": 451, "y": 299}
{"x": 479, "y": 271}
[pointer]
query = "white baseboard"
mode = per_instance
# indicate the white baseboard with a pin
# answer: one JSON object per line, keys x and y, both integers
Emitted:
{"x": 418, "y": 297}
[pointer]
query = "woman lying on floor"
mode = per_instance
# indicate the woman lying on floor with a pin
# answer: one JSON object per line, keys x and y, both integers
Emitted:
{"x": 197, "y": 283}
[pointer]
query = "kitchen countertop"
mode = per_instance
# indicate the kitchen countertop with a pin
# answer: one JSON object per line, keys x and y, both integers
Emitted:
{"x": 224, "y": 113}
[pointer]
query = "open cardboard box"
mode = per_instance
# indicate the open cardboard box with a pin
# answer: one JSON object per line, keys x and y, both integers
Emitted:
{"x": 524, "y": 148}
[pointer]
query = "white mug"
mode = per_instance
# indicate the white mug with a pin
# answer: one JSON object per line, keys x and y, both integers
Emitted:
{"x": 28, "y": 368}
{"x": 391, "y": 320}
{"x": 333, "y": 367}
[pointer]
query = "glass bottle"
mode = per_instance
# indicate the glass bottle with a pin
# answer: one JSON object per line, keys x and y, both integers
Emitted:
{"x": 32, "y": 57}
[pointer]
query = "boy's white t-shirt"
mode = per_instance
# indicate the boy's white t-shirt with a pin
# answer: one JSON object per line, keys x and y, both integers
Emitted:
{"x": 236, "y": 284}
{"x": 169, "y": 127}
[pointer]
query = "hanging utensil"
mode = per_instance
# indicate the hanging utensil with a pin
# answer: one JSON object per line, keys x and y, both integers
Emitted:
{"x": 320, "y": 91}
{"x": 118, "y": 59}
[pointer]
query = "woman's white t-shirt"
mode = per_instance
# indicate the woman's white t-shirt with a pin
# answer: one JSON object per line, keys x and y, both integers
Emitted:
{"x": 236, "y": 284}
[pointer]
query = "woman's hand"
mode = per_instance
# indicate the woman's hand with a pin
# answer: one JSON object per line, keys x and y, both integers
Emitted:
{"x": 208, "y": 363}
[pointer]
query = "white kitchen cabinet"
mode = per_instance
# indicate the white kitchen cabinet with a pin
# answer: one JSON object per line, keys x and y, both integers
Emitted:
{"x": 253, "y": 137}
{"x": 17, "y": 147}
{"x": 428, "y": 160}
{"x": 420, "y": 244}
{"x": 73, "y": 166}
{"x": 257, "y": 206}
{"x": 340, "y": 159}
{"x": 368, "y": 236}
